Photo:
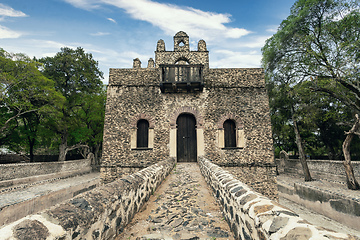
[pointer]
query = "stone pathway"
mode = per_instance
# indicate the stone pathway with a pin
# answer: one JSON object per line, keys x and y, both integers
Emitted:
{"x": 183, "y": 207}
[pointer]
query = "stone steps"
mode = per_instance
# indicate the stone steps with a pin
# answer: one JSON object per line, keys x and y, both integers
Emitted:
{"x": 331, "y": 199}
{"x": 22, "y": 197}
{"x": 21, "y": 183}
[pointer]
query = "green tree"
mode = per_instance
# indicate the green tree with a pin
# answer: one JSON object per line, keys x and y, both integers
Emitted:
{"x": 92, "y": 114}
{"x": 320, "y": 42}
{"x": 76, "y": 76}
{"x": 285, "y": 104}
{"x": 24, "y": 94}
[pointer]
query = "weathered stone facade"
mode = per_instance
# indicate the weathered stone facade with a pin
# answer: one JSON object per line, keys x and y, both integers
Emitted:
{"x": 211, "y": 96}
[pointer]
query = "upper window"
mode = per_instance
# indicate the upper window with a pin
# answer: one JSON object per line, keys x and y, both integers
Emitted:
{"x": 142, "y": 134}
{"x": 229, "y": 134}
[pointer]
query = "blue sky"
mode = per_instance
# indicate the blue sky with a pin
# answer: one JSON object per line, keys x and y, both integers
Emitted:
{"x": 117, "y": 31}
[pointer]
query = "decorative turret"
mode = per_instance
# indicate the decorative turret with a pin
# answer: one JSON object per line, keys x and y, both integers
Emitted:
{"x": 181, "y": 42}
{"x": 136, "y": 63}
{"x": 160, "y": 46}
{"x": 202, "y": 46}
{"x": 151, "y": 63}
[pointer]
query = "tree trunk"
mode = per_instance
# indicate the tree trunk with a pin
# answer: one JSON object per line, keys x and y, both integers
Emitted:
{"x": 31, "y": 148}
{"x": 96, "y": 154}
{"x": 63, "y": 148}
{"x": 283, "y": 158}
{"x": 302, "y": 157}
{"x": 350, "y": 177}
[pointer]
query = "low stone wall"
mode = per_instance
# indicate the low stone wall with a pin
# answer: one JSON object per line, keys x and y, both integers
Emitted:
{"x": 101, "y": 213}
{"x": 341, "y": 206}
{"x": 320, "y": 169}
{"x": 23, "y": 170}
{"x": 253, "y": 216}
{"x": 12, "y": 158}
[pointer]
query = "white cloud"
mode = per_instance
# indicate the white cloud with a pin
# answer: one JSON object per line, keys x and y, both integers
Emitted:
{"x": 272, "y": 29}
{"x": 46, "y": 44}
{"x": 84, "y": 4}
{"x": 99, "y": 34}
{"x": 251, "y": 42}
{"x": 172, "y": 18}
{"x": 6, "y": 11}
{"x": 111, "y": 20}
{"x": 234, "y": 59}
{"x": 8, "y": 33}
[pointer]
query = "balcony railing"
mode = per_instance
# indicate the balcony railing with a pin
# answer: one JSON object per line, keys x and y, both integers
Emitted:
{"x": 181, "y": 78}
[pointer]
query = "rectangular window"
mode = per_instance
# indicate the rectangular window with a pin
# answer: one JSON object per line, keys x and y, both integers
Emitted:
{"x": 142, "y": 134}
{"x": 230, "y": 134}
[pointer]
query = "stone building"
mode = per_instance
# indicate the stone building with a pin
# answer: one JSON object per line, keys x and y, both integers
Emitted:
{"x": 179, "y": 107}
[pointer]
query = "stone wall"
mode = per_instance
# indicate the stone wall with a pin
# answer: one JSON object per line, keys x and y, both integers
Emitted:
{"x": 23, "y": 170}
{"x": 253, "y": 216}
{"x": 101, "y": 213}
{"x": 12, "y": 158}
{"x": 321, "y": 169}
{"x": 342, "y": 206}
{"x": 260, "y": 179}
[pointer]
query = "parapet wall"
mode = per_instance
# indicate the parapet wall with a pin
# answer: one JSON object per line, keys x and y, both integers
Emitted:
{"x": 23, "y": 170}
{"x": 253, "y": 216}
{"x": 101, "y": 213}
{"x": 320, "y": 169}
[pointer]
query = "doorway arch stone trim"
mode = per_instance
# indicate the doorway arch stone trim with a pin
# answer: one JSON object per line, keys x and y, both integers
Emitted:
{"x": 187, "y": 110}
{"x": 140, "y": 116}
{"x": 233, "y": 117}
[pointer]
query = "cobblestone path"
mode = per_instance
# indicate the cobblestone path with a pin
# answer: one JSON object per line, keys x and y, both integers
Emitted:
{"x": 183, "y": 207}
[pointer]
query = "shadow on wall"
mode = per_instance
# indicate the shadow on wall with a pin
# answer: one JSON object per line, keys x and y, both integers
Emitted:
{"x": 17, "y": 158}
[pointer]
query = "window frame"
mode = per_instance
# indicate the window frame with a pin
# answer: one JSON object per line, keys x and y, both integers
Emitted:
{"x": 142, "y": 134}
{"x": 240, "y": 137}
{"x": 230, "y": 140}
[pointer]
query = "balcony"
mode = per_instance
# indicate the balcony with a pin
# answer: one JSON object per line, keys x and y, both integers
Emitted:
{"x": 176, "y": 78}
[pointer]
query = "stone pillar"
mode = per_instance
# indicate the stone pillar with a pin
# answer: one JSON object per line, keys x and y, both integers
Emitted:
{"x": 151, "y": 63}
{"x": 172, "y": 142}
{"x": 221, "y": 141}
{"x": 200, "y": 142}
{"x": 151, "y": 138}
{"x": 136, "y": 63}
{"x": 240, "y": 141}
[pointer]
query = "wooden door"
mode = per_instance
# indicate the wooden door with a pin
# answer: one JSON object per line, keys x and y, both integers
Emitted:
{"x": 186, "y": 138}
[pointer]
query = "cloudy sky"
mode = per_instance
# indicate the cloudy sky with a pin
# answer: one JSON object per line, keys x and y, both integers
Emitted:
{"x": 117, "y": 31}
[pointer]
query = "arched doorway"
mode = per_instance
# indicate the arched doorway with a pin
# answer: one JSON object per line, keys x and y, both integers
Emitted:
{"x": 186, "y": 150}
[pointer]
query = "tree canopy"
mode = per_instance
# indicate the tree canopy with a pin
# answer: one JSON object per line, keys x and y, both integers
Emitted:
{"x": 76, "y": 76}
{"x": 317, "y": 47}
{"x": 24, "y": 93}
{"x": 53, "y": 102}
{"x": 319, "y": 42}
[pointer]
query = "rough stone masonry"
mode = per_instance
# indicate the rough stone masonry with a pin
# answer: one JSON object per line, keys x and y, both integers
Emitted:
{"x": 179, "y": 107}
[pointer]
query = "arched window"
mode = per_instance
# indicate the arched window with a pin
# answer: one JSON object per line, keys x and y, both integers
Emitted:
{"x": 142, "y": 134}
{"x": 229, "y": 133}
